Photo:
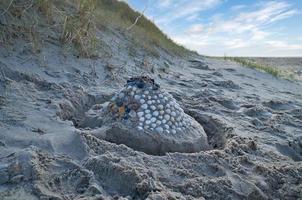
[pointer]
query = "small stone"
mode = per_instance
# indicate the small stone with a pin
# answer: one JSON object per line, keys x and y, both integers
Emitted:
{"x": 149, "y": 102}
{"x": 144, "y": 106}
{"x": 172, "y": 119}
{"x": 155, "y": 113}
{"x": 153, "y": 101}
{"x": 132, "y": 93}
{"x": 155, "y": 97}
{"x": 140, "y": 114}
{"x": 164, "y": 121}
{"x": 158, "y": 101}
{"x": 121, "y": 95}
{"x": 153, "y": 119}
{"x": 148, "y": 116}
{"x": 132, "y": 114}
{"x": 149, "y": 97}
{"x": 167, "y": 117}
{"x": 142, "y": 101}
{"x": 173, "y": 126}
{"x": 146, "y": 92}
{"x": 160, "y": 107}
{"x": 173, "y": 114}
{"x": 168, "y": 111}
{"x": 161, "y": 112}
{"x": 140, "y": 128}
{"x": 153, "y": 125}
{"x": 160, "y": 117}
{"x": 113, "y": 98}
{"x": 148, "y": 122}
{"x": 158, "y": 122}
{"x": 146, "y": 127}
{"x": 173, "y": 131}
{"x": 147, "y": 111}
{"x": 169, "y": 123}
{"x": 159, "y": 129}
{"x": 143, "y": 96}
{"x": 160, "y": 96}
{"x": 153, "y": 107}
{"x": 141, "y": 119}
{"x": 167, "y": 131}
{"x": 140, "y": 124}
{"x": 166, "y": 126}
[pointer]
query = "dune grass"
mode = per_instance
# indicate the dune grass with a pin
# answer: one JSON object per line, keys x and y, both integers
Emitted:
{"x": 76, "y": 22}
{"x": 268, "y": 69}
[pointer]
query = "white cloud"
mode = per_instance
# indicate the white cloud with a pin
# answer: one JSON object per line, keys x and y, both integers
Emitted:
{"x": 182, "y": 9}
{"x": 284, "y": 45}
{"x": 241, "y": 32}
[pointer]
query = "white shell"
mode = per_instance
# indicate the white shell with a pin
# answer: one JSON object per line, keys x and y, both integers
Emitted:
{"x": 159, "y": 129}
{"x": 153, "y": 119}
{"x": 137, "y": 97}
{"x": 140, "y": 114}
{"x": 155, "y": 113}
{"x": 167, "y": 117}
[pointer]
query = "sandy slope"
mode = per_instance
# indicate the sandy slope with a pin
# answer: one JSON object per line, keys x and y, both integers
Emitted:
{"x": 253, "y": 120}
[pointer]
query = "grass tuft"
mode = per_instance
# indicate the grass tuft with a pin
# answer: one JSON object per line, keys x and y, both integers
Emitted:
{"x": 268, "y": 69}
{"x": 79, "y": 28}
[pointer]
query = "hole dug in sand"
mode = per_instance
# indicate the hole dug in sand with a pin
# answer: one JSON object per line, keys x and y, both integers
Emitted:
{"x": 145, "y": 118}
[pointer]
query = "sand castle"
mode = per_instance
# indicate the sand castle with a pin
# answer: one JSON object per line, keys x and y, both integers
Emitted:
{"x": 151, "y": 120}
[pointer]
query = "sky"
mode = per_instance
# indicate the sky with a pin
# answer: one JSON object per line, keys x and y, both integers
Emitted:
{"x": 229, "y": 27}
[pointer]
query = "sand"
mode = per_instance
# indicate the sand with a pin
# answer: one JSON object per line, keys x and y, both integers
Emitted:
{"x": 50, "y": 150}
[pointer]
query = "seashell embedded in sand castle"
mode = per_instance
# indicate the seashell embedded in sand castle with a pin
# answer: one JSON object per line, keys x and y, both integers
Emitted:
{"x": 145, "y": 118}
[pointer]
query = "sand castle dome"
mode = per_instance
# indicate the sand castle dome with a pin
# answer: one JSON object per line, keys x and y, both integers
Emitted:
{"x": 149, "y": 119}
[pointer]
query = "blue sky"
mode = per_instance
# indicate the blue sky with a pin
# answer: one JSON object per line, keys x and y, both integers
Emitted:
{"x": 232, "y": 27}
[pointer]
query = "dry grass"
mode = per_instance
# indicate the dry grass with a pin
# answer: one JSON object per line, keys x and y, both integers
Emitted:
{"x": 79, "y": 28}
{"x": 76, "y": 22}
